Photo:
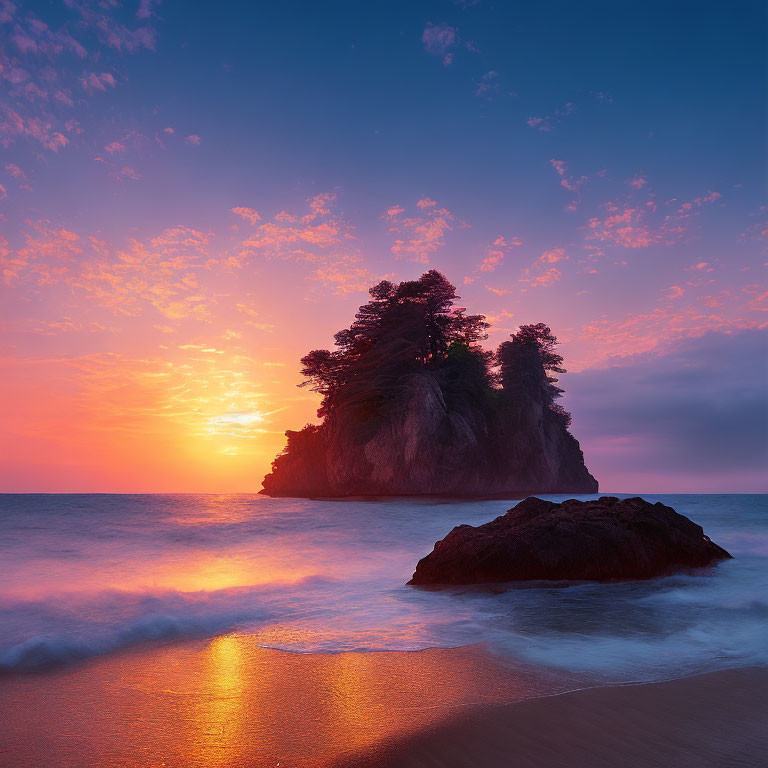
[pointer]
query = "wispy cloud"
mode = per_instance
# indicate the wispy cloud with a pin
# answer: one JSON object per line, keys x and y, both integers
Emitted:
{"x": 439, "y": 39}
{"x": 653, "y": 331}
{"x": 489, "y": 85}
{"x": 640, "y": 225}
{"x": 249, "y": 214}
{"x": 97, "y": 81}
{"x": 53, "y": 66}
{"x": 543, "y": 272}
{"x": 420, "y": 236}
{"x": 294, "y": 236}
{"x": 569, "y": 182}
{"x": 549, "y": 122}
{"x": 493, "y": 256}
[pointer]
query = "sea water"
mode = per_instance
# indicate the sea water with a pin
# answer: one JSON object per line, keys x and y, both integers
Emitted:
{"x": 89, "y": 575}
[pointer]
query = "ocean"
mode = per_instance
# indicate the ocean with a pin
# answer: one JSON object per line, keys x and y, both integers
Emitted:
{"x": 94, "y": 575}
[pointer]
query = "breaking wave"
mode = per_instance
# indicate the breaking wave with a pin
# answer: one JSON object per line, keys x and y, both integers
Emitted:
{"x": 331, "y": 578}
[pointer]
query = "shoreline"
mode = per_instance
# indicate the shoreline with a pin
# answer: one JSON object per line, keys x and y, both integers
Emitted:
{"x": 231, "y": 702}
{"x": 706, "y": 720}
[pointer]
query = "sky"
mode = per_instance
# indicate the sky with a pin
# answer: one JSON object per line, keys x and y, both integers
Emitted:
{"x": 194, "y": 195}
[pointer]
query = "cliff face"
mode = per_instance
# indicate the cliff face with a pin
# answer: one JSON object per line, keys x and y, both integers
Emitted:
{"x": 427, "y": 447}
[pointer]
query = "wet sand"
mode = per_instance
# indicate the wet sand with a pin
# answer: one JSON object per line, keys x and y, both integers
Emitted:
{"x": 230, "y": 703}
{"x": 716, "y": 720}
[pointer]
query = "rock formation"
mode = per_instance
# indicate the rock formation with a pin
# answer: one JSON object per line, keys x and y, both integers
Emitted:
{"x": 412, "y": 405}
{"x": 603, "y": 540}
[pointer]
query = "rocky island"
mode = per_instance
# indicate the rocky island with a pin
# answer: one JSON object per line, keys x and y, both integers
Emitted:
{"x": 412, "y": 404}
{"x": 606, "y": 539}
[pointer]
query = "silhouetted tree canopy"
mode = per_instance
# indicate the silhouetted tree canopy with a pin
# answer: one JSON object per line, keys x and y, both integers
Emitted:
{"x": 409, "y": 326}
{"x": 527, "y": 364}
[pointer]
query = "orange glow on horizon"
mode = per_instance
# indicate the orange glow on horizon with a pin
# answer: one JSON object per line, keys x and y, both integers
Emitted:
{"x": 169, "y": 363}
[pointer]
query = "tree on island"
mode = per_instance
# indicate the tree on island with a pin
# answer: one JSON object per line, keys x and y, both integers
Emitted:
{"x": 412, "y": 403}
{"x": 415, "y": 324}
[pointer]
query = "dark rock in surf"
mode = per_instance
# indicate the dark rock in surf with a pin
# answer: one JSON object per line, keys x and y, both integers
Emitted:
{"x": 601, "y": 540}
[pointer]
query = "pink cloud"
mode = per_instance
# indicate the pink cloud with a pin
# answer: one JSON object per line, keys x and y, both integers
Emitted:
{"x": 345, "y": 275}
{"x": 499, "y": 291}
{"x": 24, "y": 43}
{"x": 46, "y": 253}
{"x": 674, "y": 292}
{"x": 126, "y": 172}
{"x": 710, "y": 197}
{"x": 540, "y": 123}
{"x": 13, "y": 125}
{"x": 553, "y": 255}
{"x": 497, "y": 251}
{"x": 114, "y": 147}
{"x": 625, "y": 227}
{"x": 488, "y": 85}
{"x": 548, "y": 122}
{"x": 193, "y": 139}
{"x": 304, "y": 238}
{"x": 40, "y": 76}
{"x": 248, "y": 214}
{"x": 422, "y": 235}
{"x": 161, "y": 273}
{"x": 560, "y": 166}
{"x": 64, "y": 97}
{"x": 758, "y": 228}
{"x": 320, "y": 237}
{"x": 93, "y": 81}
{"x": 759, "y": 300}
{"x": 145, "y": 10}
{"x": 655, "y": 330}
{"x": 637, "y": 182}
{"x": 571, "y": 183}
{"x": 438, "y": 39}
{"x": 319, "y": 205}
{"x": 550, "y": 276}
{"x": 632, "y": 226}
{"x": 112, "y": 32}
{"x": 270, "y": 235}
{"x": 500, "y": 317}
{"x": 540, "y": 273}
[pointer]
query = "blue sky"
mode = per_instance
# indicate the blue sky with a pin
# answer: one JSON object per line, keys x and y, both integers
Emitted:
{"x": 182, "y": 177}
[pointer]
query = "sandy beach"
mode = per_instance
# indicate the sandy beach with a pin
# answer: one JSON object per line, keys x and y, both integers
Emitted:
{"x": 229, "y": 702}
{"x": 715, "y": 720}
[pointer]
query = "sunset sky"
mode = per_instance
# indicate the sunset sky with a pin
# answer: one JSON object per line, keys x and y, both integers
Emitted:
{"x": 193, "y": 195}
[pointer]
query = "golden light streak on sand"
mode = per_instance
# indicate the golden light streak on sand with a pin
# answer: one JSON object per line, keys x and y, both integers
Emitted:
{"x": 228, "y": 702}
{"x": 223, "y": 709}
